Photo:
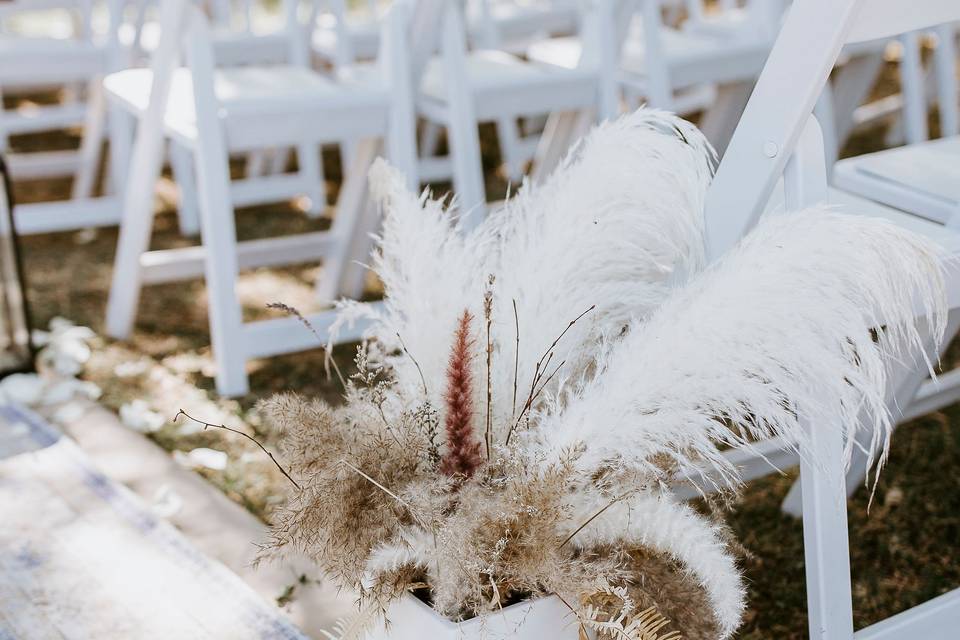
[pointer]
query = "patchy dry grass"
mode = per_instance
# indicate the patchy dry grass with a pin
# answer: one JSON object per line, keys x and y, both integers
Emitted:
{"x": 904, "y": 551}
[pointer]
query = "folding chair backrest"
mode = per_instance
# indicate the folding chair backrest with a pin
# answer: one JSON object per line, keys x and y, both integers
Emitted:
{"x": 877, "y": 19}
{"x": 780, "y": 108}
{"x": 913, "y": 84}
{"x": 79, "y": 11}
{"x": 426, "y": 21}
{"x": 948, "y": 88}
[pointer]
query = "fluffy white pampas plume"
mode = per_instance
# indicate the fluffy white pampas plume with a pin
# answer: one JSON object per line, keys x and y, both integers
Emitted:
{"x": 779, "y": 332}
{"x": 656, "y": 521}
{"x": 612, "y": 227}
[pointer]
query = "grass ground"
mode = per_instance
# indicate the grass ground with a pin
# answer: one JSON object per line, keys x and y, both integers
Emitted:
{"x": 904, "y": 551}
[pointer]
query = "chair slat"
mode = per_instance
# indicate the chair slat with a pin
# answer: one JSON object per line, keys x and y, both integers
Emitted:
{"x": 884, "y": 18}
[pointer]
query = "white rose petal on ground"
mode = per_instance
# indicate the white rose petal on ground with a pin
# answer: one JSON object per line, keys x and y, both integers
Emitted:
{"x": 21, "y": 388}
{"x": 202, "y": 457}
{"x": 166, "y": 502}
{"x": 138, "y": 416}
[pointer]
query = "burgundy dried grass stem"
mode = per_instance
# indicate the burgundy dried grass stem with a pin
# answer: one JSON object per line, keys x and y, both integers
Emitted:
{"x": 462, "y": 456}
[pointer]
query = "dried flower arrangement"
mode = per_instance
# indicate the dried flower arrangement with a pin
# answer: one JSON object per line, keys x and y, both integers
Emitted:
{"x": 531, "y": 389}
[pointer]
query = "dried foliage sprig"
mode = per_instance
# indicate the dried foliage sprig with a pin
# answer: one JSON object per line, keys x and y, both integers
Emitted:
{"x": 540, "y": 377}
{"x": 210, "y": 425}
{"x": 329, "y": 361}
{"x": 488, "y": 318}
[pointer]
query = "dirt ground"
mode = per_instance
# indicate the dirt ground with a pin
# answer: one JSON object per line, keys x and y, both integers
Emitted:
{"x": 904, "y": 551}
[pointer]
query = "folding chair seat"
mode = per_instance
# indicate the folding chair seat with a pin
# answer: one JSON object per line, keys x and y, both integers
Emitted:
{"x": 512, "y": 25}
{"x": 246, "y": 94}
{"x": 212, "y": 112}
{"x": 779, "y": 138}
{"x": 496, "y": 77}
{"x": 57, "y": 52}
{"x": 922, "y": 177}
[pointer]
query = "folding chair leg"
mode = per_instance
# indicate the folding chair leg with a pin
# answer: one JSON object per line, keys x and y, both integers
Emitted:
{"x": 4, "y": 140}
{"x": 278, "y": 161}
{"x": 913, "y": 77}
{"x": 92, "y": 143}
{"x": 825, "y": 111}
{"x": 181, "y": 161}
{"x": 348, "y": 151}
{"x": 462, "y": 123}
{"x": 429, "y": 138}
{"x": 145, "y": 161}
{"x": 121, "y": 125}
{"x": 135, "y": 228}
{"x": 256, "y": 163}
{"x": 720, "y": 121}
{"x": 216, "y": 219}
{"x": 825, "y": 539}
{"x": 508, "y": 134}
{"x": 221, "y": 271}
{"x": 352, "y": 225}
{"x": 310, "y": 167}
{"x": 852, "y": 85}
{"x": 467, "y": 168}
{"x": 561, "y": 131}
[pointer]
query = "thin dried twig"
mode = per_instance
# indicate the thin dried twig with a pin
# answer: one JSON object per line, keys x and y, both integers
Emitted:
{"x": 377, "y": 484}
{"x": 488, "y": 314}
{"x": 583, "y": 629}
{"x": 415, "y": 363}
{"x": 597, "y": 515}
{"x": 207, "y": 425}
{"x": 303, "y": 320}
{"x": 539, "y": 371}
{"x": 516, "y": 361}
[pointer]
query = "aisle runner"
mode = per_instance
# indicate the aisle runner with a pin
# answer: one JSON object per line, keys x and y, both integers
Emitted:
{"x": 81, "y": 557}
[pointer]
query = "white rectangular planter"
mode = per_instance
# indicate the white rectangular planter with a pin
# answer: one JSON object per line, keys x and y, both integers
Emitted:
{"x": 541, "y": 619}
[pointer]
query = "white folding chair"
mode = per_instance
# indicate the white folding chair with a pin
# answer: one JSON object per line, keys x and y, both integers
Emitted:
{"x": 678, "y": 68}
{"x": 512, "y": 26}
{"x": 76, "y": 59}
{"x": 237, "y": 41}
{"x": 922, "y": 177}
{"x": 460, "y": 88}
{"x": 214, "y": 111}
{"x": 346, "y": 34}
{"x": 779, "y": 137}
